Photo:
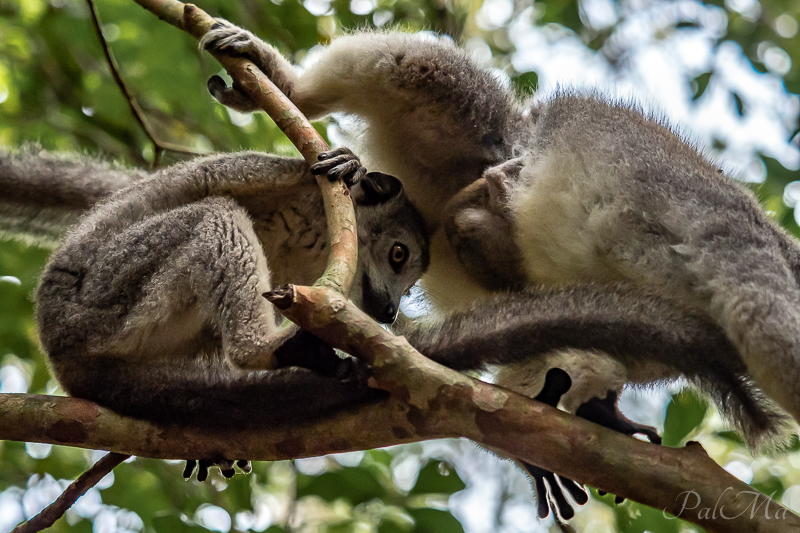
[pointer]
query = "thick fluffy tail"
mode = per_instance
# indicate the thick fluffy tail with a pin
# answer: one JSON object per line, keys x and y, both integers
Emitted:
{"x": 44, "y": 193}
{"x": 653, "y": 338}
{"x": 208, "y": 395}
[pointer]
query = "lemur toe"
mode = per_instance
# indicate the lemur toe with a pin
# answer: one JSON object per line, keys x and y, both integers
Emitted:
{"x": 202, "y": 469}
{"x": 551, "y": 494}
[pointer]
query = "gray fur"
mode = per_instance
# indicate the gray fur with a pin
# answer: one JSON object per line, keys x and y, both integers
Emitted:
{"x": 599, "y": 193}
{"x": 153, "y": 304}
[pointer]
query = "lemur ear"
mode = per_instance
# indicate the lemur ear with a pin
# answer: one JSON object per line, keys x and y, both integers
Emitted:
{"x": 376, "y": 188}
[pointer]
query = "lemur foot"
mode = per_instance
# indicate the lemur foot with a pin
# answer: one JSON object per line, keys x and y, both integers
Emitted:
{"x": 605, "y": 412}
{"x": 600, "y": 411}
{"x": 555, "y": 495}
{"x": 551, "y": 494}
{"x": 225, "y": 467}
{"x": 235, "y": 41}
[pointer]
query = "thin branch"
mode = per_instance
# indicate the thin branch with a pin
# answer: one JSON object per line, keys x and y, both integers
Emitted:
{"x": 341, "y": 266}
{"x": 48, "y": 516}
{"x": 159, "y": 145}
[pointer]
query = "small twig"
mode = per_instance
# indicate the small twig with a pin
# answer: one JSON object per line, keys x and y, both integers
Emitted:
{"x": 48, "y": 516}
{"x": 159, "y": 145}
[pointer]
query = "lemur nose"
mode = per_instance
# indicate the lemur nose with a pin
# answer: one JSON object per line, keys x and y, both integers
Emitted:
{"x": 389, "y": 313}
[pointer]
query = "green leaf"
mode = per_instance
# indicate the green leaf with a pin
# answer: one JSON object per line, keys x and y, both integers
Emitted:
{"x": 700, "y": 84}
{"x": 356, "y": 485}
{"x": 437, "y": 477}
{"x": 526, "y": 83}
{"x": 685, "y": 413}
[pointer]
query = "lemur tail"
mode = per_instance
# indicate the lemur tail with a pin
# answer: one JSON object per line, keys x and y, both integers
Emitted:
{"x": 653, "y": 338}
{"x": 45, "y": 193}
{"x": 208, "y": 395}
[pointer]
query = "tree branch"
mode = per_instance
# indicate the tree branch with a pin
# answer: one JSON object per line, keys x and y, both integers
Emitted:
{"x": 48, "y": 516}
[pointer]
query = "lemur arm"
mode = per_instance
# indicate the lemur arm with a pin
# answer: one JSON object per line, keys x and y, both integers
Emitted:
{"x": 433, "y": 118}
{"x": 44, "y": 193}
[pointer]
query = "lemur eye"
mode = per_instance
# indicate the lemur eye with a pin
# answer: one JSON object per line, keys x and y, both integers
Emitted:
{"x": 398, "y": 255}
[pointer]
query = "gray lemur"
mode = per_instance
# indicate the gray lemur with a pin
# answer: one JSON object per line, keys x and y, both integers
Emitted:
{"x": 573, "y": 190}
{"x": 152, "y": 305}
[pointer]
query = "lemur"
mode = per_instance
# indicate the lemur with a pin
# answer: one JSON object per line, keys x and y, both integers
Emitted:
{"x": 152, "y": 305}
{"x": 576, "y": 189}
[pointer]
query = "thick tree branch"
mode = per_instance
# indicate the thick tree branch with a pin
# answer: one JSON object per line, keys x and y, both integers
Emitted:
{"x": 438, "y": 403}
{"x": 442, "y": 402}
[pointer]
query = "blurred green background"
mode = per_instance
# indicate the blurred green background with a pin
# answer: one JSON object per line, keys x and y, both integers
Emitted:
{"x": 726, "y": 73}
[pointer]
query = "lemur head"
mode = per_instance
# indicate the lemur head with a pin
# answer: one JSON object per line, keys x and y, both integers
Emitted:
{"x": 392, "y": 245}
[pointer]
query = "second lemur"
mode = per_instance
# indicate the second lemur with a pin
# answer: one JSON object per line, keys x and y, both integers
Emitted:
{"x": 573, "y": 190}
{"x": 560, "y": 193}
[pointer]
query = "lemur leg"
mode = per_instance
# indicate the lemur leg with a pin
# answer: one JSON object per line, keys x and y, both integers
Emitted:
{"x": 601, "y": 411}
{"x": 433, "y": 118}
{"x": 556, "y": 384}
{"x": 179, "y": 282}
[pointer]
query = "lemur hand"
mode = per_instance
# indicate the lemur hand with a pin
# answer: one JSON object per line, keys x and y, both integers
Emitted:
{"x": 342, "y": 164}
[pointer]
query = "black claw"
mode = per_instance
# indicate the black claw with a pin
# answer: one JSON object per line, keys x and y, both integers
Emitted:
{"x": 202, "y": 469}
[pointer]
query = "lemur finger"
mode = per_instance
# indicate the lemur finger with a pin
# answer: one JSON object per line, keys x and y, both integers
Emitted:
{"x": 551, "y": 493}
{"x": 330, "y": 154}
{"x": 326, "y": 165}
{"x": 565, "y": 510}
{"x": 230, "y": 96}
{"x": 202, "y": 469}
{"x": 357, "y": 177}
{"x": 543, "y": 506}
{"x": 345, "y": 171}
